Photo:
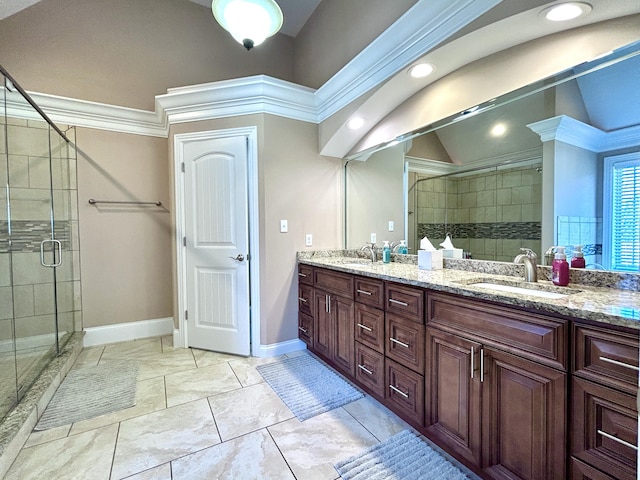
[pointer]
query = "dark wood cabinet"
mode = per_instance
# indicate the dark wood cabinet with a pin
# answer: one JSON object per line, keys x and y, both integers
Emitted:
{"x": 405, "y": 392}
{"x": 323, "y": 324}
{"x": 370, "y": 370}
{"x": 305, "y": 329}
{"x": 369, "y": 327}
{"x": 582, "y": 471}
{"x": 405, "y": 342}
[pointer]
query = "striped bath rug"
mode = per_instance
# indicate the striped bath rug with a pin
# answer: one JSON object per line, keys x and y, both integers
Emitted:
{"x": 89, "y": 392}
{"x": 307, "y": 386}
{"x": 402, "y": 457}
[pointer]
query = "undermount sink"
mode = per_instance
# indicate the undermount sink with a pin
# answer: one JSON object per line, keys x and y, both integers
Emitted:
{"x": 524, "y": 288}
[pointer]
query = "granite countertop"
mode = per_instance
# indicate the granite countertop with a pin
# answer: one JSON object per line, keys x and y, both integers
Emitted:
{"x": 595, "y": 303}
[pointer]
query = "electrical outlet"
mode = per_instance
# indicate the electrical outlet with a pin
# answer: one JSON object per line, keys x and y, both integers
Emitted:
{"x": 373, "y": 238}
{"x": 391, "y": 225}
{"x": 308, "y": 240}
{"x": 284, "y": 226}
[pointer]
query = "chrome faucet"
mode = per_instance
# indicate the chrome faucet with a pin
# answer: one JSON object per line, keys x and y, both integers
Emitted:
{"x": 371, "y": 248}
{"x": 394, "y": 246}
{"x": 530, "y": 260}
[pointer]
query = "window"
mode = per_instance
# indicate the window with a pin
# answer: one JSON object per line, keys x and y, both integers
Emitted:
{"x": 621, "y": 246}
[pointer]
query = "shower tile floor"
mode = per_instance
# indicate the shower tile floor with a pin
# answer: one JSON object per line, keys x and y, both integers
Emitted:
{"x": 200, "y": 415}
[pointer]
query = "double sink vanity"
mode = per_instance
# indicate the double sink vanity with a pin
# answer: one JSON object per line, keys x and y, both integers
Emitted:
{"x": 517, "y": 380}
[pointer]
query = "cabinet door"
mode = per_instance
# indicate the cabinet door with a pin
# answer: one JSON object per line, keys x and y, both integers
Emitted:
{"x": 370, "y": 369}
{"x": 305, "y": 329}
{"x": 322, "y": 328}
{"x": 369, "y": 326}
{"x": 405, "y": 342}
{"x": 453, "y": 393}
{"x": 342, "y": 313}
{"x": 523, "y": 418}
{"x": 305, "y": 299}
{"x": 405, "y": 392}
{"x": 604, "y": 431}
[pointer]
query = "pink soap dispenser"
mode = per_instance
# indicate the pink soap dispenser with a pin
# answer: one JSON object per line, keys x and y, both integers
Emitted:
{"x": 577, "y": 260}
{"x": 560, "y": 268}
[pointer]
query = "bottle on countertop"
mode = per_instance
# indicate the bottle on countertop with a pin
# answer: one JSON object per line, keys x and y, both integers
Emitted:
{"x": 402, "y": 248}
{"x": 577, "y": 259}
{"x": 386, "y": 252}
{"x": 560, "y": 268}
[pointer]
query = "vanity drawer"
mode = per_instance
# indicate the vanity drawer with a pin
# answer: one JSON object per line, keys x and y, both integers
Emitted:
{"x": 369, "y": 291}
{"x": 305, "y": 329}
{"x": 305, "y": 299}
{"x": 405, "y": 301}
{"x": 369, "y": 327}
{"x": 333, "y": 282}
{"x": 605, "y": 429}
{"x": 405, "y": 342}
{"x": 370, "y": 369}
{"x": 537, "y": 337}
{"x": 582, "y": 471}
{"x": 606, "y": 356}
{"x": 305, "y": 274}
{"x": 405, "y": 392}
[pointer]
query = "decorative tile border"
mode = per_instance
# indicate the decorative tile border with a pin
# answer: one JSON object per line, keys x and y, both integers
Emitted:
{"x": 26, "y": 235}
{"x": 497, "y": 230}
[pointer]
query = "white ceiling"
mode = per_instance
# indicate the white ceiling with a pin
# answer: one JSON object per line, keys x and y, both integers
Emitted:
{"x": 295, "y": 12}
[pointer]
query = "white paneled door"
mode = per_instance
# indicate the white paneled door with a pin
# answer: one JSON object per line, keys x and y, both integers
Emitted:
{"x": 217, "y": 245}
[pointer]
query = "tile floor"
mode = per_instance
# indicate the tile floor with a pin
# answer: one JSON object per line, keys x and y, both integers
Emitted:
{"x": 200, "y": 415}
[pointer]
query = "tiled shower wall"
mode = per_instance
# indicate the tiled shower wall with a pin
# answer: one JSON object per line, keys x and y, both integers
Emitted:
{"x": 30, "y": 177}
{"x": 585, "y": 231}
{"x": 491, "y": 215}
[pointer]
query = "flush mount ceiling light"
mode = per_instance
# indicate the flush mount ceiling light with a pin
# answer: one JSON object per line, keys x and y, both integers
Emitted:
{"x": 566, "y": 11}
{"x": 421, "y": 70}
{"x": 355, "y": 123}
{"x": 498, "y": 130}
{"x": 250, "y": 22}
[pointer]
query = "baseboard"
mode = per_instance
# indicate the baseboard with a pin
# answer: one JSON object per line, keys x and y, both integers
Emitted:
{"x": 281, "y": 348}
{"x": 122, "y": 332}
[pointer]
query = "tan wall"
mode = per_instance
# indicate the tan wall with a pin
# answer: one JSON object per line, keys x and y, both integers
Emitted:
{"x": 125, "y": 252}
{"x": 337, "y": 31}
{"x": 125, "y": 52}
{"x": 295, "y": 184}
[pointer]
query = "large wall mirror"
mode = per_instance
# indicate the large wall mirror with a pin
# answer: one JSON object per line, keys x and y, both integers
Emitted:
{"x": 528, "y": 169}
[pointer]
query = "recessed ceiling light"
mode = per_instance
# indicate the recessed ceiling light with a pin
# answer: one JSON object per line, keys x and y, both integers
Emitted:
{"x": 566, "y": 11}
{"x": 355, "y": 123}
{"x": 421, "y": 70}
{"x": 498, "y": 130}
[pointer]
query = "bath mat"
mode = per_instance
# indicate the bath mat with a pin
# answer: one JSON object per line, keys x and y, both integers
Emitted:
{"x": 307, "y": 386}
{"x": 91, "y": 391}
{"x": 402, "y": 457}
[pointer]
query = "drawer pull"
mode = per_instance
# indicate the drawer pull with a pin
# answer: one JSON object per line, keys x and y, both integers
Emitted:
{"x": 616, "y": 439}
{"x": 472, "y": 361}
{"x": 365, "y": 370}
{"x": 303, "y": 330}
{"x": 620, "y": 364}
{"x": 481, "y": 365}
{"x": 398, "y": 302}
{"x": 303, "y": 300}
{"x": 301, "y": 275}
{"x": 364, "y": 327}
{"x": 364, "y": 292}
{"x": 405, "y": 345}
{"x": 405, "y": 395}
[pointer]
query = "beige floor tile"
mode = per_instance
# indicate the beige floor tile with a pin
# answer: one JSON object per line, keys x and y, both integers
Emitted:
{"x": 151, "y": 440}
{"x": 150, "y": 397}
{"x": 376, "y": 418}
{"x": 246, "y": 410}
{"x": 150, "y": 366}
{"x": 245, "y": 368}
{"x": 205, "y": 358}
{"x": 80, "y": 457}
{"x": 89, "y": 357}
{"x": 167, "y": 343}
{"x": 163, "y": 472}
{"x": 251, "y": 457}
{"x": 133, "y": 349}
{"x": 312, "y": 447}
{"x": 43, "y": 436}
{"x": 199, "y": 383}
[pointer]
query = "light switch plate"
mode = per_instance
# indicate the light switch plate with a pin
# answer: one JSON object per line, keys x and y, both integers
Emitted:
{"x": 284, "y": 226}
{"x": 308, "y": 240}
{"x": 373, "y": 238}
{"x": 391, "y": 225}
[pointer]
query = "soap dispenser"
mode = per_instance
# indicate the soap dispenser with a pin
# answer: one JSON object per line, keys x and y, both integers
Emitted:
{"x": 386, "y": 252}
{"x": 402, "y": 249}
{"x": 577, "y": 259}
{"x": 560, "y": 268}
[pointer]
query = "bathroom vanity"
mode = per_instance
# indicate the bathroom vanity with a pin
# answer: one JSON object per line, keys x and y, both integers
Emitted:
{"x": 514, "y": 385}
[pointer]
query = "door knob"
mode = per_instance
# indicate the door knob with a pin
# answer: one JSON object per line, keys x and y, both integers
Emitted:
{"x": 239, "y": 258}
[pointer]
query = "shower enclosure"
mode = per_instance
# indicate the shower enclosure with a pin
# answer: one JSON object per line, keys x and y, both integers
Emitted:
{"x": 40, "y": 305}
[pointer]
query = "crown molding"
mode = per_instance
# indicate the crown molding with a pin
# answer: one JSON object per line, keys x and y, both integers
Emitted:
{"x": 420, "y": 29}
{"x": 574, "y": 132}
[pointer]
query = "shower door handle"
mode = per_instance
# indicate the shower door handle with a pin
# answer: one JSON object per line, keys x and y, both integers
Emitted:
{"x": 58, "y": 246}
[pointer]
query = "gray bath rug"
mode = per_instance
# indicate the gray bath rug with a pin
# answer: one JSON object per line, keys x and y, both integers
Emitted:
{"x": 91, "y": 391}
{"x": 402, "y": 457}
{"x": 307, "y": 386}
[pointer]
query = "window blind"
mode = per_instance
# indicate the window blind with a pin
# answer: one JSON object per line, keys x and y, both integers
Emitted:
{"x": 625, "y": 226}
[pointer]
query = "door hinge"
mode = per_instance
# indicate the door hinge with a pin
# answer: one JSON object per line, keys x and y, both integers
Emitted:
{"x": 186, "y": 314}
{"x": 184, "y": 241}
{"x": 182, "y": 167}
